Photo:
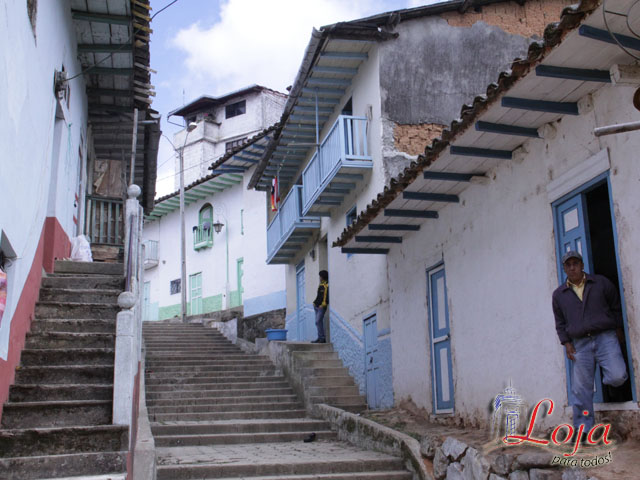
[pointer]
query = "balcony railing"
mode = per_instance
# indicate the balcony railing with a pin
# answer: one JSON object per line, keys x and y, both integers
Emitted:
{"x": 288, "y": 228}
{"x": 150, "y": 254}
{"x": 202, "y": 236}
{"x": 103, "y": 221}
{"x": 343, "y": 153}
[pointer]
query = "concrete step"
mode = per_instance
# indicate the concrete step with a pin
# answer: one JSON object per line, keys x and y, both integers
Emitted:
{"x": 207, "y": 401}
{"x": 238, "y": 438}
{"x": 66, "y": 374}
{"x": 209, "y": 349}
{"x": 67, "y": 356}
{"x": 207, "y": 375}
{"x": 222, "y": 393}
{"x": 88, "y": 268}
{"x": 338, "y": 381}
{"x": 64, "y": 440}
{"x": 221, "y": 362}
{"x": 311, "y": 355}
{"x": 57, "y": 414}
{"x": 324, "y": 372}
{"x": 159, "y": 387}
{"x": 333, "y": 391}
{"x": 211, "y": 368}
{"x": 76, "y": 310}
{"x": 83, "y": 282}
{"x": 240, "y": 426}
{"x": 208, "y": 470}
{"x": 310, "y": 363}
{"x": 342, "y": 401}
{"x": 74, "y": 325}
{"x": 57, "y": 466}
{"x": 236, "y": 415}
{"x": 234, "y": 355}
{"x": 40, "y": 393}
{"x": 309, "y": 347}
{"x": 267, "y": 404}
{"x": 395, "y": 475}
{"x": 179, "y": 344}
{"x": 63, "y": 340}
{"x": 94, "y": 295}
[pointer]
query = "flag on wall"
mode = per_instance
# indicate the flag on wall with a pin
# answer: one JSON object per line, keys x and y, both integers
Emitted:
{"x": 275, "y": 195}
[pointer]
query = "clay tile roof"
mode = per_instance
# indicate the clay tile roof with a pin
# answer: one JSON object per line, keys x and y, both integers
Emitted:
{"x": 554, "y": 33}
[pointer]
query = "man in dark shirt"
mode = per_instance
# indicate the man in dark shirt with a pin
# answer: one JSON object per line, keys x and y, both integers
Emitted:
{"x": 320, "y": 305}
{"x": 588, "y": 313}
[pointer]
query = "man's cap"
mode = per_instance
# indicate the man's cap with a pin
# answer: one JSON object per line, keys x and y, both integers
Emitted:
{"x": 571, "y": 254}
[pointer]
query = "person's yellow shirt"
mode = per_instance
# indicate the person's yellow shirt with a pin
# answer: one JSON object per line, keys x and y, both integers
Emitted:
{"x": 579, "y": 289}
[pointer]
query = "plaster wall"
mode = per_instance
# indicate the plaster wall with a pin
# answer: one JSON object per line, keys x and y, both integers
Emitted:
{"x": 498, "y": 249}
{"x": 263, "y": 284}
{"x": 206, "y": 143}
{"x": 40, "y": 173}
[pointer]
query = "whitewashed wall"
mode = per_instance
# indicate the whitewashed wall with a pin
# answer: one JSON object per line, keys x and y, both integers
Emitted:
{"x": 263, "y": 285}
{"x": 37, "y": 178}
{"x": 500, "y": 260}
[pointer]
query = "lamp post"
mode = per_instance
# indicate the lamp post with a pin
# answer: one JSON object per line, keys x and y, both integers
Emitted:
{"x": 217, "y": 227}
{"x": 183, "y": 250}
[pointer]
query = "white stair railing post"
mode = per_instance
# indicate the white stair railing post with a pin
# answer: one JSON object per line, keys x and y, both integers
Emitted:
{"x": 129, "y": 319}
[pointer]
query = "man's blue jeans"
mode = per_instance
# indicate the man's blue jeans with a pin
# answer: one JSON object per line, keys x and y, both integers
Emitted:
{"x": 604, "y": 349}
{"x": 320, "y": 322}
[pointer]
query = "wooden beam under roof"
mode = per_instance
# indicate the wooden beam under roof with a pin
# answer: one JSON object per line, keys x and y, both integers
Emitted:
{"x": 594, "y": 33}
{"x": 504, "y": 129}
{"x": 322, "y": 81}
{"x": 392, "y": 212}
{"x": 377, "y": 239}
{"x": 450, "y": 176}
{"x": 578, "y": 74}
{"x": 345, "y": 55}
{"x": 372, "y": 251}
{"x": 105, "y": 48}
{"x": 565, "y": 108}
{"x": 109, "y": 71}
{"x": 430, "y": 197}
{"x": 101, "y": 18}
{"x": 480, "y": 152}
{"x": 335, "y": 70}
{"x": 312, "y": 92}
{"x": 400, "y": 227}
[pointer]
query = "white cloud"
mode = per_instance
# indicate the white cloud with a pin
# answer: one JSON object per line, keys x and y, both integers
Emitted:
{"x": 257, "y": 41}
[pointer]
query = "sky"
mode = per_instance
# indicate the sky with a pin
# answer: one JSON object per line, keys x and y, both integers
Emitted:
{"x": 210, "y": 47}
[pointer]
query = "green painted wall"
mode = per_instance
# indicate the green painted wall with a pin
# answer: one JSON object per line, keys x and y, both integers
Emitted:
{"x": 209, "y": 304}
{"x": 235, "y": 298}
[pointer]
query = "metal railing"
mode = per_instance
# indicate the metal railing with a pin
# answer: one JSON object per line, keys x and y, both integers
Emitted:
{"x": 104, "y": 220}
{"x": 202, "y": 236}
{"x": 346, "y": 141}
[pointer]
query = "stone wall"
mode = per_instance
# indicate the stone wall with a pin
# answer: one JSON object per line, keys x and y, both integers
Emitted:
{"x": 413, "y": 139}
{"x": 250, "y": 328}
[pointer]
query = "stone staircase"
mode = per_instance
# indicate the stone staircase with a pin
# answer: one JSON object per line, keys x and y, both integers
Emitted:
{"x": 57, "y": 421}
{"x": 219, "y": 413}
{"x": 323, "y": 377}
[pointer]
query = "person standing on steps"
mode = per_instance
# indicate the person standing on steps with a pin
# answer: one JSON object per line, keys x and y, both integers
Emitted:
{"x": 320, "y": 305}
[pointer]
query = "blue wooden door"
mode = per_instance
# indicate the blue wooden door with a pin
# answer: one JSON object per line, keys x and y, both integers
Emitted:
{"x": 371, "y": 367}
{"x": 300, "y": 299}
{"x": 440, "y": 336}
{"x": 572, "y": 233}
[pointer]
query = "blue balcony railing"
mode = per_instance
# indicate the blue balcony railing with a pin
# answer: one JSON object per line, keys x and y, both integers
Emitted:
{"x": 343, "y": 152}
{"x": 288, "y": 228}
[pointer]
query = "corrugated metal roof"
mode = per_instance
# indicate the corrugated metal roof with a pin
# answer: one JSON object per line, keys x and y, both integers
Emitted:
{"x": 554, "y": 34}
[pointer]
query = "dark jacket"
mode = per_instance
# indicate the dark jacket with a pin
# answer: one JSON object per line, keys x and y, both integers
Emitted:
{"x": 599, "y": 310}
{"x": 322, "y": 298}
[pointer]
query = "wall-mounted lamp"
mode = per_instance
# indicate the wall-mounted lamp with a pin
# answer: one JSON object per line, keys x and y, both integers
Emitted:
{"x": 312, "y": 254}
{"x": 218, "y": 226}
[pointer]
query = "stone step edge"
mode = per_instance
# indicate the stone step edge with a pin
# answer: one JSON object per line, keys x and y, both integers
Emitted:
{"x": 61, "y": 367}
{"x": 81, "y": 290}
{"x": 378, "y": 474}
{"x": 57, "y": 403}
{"x": 71, "y": 429}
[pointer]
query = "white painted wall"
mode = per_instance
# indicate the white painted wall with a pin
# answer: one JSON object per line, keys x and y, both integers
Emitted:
{"x": 259, "y": 280}
{"x": 206, "y": 143}
{"x": 37, "y": 179}
{"x": 500, "y": 260}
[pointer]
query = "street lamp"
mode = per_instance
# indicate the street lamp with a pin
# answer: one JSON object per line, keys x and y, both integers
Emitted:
{"x": 183, "y": 251}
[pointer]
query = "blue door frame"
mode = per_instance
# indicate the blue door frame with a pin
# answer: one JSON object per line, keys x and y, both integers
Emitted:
{"x": 371, "y": 366}
{"x": 440, "y": 341}
{"x": 572, "y": 233}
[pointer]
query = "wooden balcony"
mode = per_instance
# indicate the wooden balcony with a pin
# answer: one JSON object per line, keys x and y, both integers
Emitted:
{"x": 338, "y": 164}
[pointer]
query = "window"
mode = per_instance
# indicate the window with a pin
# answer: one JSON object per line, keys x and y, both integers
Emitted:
{"x": 234, "y": 143}
{"x": 203, "y": 232}
{"x": 174, "y": 286}
{"x": 235, "y": 109}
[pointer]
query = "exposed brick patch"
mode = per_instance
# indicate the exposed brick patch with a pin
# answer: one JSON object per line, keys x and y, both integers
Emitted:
{"x": 527, "y": 20}
{"x": 413, "y": 139}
